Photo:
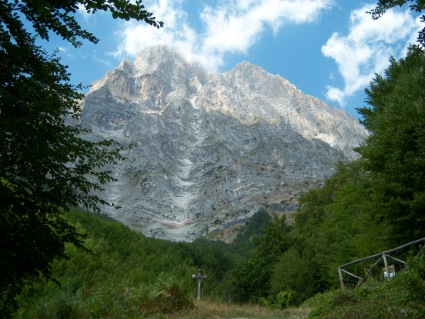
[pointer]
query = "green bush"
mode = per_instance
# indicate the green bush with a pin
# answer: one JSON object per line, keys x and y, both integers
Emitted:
{"x": 167, "y": 295}
{"x": 285, "y": 299}
{"x": 401, "y": 297}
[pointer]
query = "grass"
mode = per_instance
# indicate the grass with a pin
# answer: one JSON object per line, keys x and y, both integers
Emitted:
{"x": 205, "y": 309}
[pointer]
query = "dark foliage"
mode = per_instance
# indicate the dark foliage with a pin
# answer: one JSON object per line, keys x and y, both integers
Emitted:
{"x": 46, "y": 166}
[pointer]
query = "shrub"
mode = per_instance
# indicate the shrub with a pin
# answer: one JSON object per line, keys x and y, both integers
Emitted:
{"x": 401, "y": 297}
{"x": 166, "y": 295}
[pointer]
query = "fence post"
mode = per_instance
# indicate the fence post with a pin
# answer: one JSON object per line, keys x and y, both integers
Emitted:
{"x": 341, "y": 278}
{"x": 387, "y": 270}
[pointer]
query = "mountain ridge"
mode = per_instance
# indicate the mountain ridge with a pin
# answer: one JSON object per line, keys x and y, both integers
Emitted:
{"x": 210, "y": 149}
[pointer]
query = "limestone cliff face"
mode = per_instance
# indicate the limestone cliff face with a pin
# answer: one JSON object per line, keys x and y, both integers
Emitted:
{"x": 209, "y": 149}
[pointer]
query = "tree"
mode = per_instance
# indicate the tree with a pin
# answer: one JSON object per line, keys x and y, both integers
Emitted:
{"x": 394, "y": 155}
{"x": 418, "y": 6}
{"x": 294, "y": 273}
{"x": 332, "y": 225}
{"x": 46, "y": 165}
{"x": 376, "y": 202}
{"x": 251, "y": 278}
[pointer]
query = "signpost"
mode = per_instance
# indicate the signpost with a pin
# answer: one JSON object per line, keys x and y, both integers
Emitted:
{"x": 200, "y": 275}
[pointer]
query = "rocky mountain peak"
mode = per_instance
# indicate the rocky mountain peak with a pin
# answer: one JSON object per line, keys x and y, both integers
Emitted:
{"x": 246, "y": 70}
{"x": 211, "y": 149}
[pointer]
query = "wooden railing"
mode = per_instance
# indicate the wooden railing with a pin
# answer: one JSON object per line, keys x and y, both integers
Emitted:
{"x": 389, "y": 271}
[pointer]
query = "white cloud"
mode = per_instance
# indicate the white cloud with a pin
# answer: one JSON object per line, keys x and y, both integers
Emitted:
{"x": 103, "y": 61}
{"x": 82, "y": 10}
{"x": 65, "y": 52}
{"x": 231, "y": 26}
{"x": 367, "y": 48}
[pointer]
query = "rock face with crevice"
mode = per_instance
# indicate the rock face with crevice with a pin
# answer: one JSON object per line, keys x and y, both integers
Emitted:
{"x": 209, "y": 149}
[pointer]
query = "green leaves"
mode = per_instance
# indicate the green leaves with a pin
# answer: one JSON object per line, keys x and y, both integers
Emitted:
{"x": 374, "y": 203}
{"x": 47, "y": 166}
{"x": 394, "y": 154}
{"x": 122, "y": 274}
{"x": 251, "y": 278}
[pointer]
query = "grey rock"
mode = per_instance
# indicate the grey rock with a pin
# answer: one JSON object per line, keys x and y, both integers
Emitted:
{"x": 211, "y": 149}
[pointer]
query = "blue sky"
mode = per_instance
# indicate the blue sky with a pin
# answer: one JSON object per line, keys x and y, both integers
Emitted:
{"x": 329, "y": 49}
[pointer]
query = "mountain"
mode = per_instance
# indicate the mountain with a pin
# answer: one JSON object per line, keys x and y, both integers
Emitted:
{"x": 208, "y": 150}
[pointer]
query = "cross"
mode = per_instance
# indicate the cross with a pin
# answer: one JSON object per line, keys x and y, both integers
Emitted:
{"x": 200, "y": 275}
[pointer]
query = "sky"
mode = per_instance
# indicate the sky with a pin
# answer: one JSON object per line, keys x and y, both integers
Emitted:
{"x": 328, "y": 49}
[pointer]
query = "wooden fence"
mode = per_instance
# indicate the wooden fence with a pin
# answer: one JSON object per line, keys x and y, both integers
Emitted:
{"x": 389, "y": 270}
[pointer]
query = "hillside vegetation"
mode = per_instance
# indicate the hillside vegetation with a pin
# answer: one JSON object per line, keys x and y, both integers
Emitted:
{"x": 123, "y": 274}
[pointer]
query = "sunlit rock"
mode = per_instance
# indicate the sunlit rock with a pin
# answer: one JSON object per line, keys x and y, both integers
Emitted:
{"x": 210, "y": 149}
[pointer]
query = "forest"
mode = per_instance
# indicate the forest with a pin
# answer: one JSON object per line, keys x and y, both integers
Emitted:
{"x": 123, "y": 274}
{"x": 59, "y": 261}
